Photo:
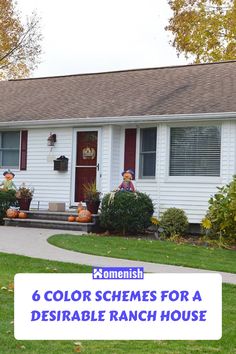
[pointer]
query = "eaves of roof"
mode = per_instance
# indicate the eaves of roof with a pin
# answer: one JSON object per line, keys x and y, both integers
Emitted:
{"x": 137, "y": 120}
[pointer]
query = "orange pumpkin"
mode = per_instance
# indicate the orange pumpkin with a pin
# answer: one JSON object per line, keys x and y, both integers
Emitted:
{"x": 71, "y": 218}
{"x": 84, "y": 216}
{"x": 22, "y": 215}
{"x": 12, "y": 213}
{"x": 80, "y": 207}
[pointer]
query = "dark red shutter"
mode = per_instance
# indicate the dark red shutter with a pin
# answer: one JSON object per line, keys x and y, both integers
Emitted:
{"x": 23, "y": 150}
{"x": 130, "y": 149}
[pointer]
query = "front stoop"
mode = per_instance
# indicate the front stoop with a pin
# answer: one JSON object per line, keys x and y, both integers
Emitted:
{"x": 53, "y": 220}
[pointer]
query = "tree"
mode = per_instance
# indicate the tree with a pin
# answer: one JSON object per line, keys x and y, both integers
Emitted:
{"x": 204, "y": 29}
{"x": 19, "y": 43}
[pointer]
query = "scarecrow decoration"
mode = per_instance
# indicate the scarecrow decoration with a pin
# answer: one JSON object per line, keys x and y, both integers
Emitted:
{"x": 7, "y": 183}
{"x": 127, "y": 184}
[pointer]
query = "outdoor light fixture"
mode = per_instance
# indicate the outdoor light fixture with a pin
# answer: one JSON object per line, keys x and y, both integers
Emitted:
{"x": 52, "y": 139}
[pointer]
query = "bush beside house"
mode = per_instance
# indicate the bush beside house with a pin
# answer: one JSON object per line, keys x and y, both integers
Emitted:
{"x": 220, "y": 220}
{"x": 173, "y": 222}
{"x": 126, "y": 212}
{"x": 7, "y": 199}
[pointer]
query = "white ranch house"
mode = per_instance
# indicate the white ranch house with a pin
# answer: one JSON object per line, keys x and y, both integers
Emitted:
{"x": 175, "y": 126}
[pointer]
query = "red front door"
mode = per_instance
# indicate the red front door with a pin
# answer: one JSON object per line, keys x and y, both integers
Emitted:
{"x": 86, "y": 161}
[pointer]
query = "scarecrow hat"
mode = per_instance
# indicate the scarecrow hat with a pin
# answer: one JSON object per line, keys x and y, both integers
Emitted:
{"x": 128, "y": 171}
{"x": 8, "y": 172}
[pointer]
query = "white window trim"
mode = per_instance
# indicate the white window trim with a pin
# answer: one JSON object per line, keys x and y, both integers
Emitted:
{"x": 138, "y": 144}
{"x": 192, "y": 179}
{"x": 15, "y": 168}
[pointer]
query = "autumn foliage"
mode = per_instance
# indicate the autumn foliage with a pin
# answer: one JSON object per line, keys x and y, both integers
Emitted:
{"x": 220, "y": 220}
{"x": 204, "y": 30}
{"x": 19, "y": 42}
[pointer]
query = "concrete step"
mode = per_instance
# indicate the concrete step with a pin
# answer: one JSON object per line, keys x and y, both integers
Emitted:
{"x": 51, "y": 224}
{"x": 53, "y": 215}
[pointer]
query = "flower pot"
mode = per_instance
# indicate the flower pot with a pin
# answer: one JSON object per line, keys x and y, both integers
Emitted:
{"x": 24, "y": 203}
{"x": 93, "y": 206}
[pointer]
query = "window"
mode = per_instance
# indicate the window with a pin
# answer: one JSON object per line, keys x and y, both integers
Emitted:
{"x": 195, "y": 151}
{"x": 9, "y": 149}
{"x": 148, "y": 138}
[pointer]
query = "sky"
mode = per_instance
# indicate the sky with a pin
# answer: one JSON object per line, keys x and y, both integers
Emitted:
{"x": 88, "y": 36}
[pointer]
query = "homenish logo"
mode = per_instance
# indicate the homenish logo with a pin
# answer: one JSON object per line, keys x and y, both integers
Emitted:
{"x": 118, "y": 273}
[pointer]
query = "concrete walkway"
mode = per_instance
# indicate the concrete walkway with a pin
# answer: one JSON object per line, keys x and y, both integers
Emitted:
{"x": 32, "y": 242}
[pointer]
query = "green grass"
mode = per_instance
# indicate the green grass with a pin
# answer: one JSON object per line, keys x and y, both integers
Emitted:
{"x": 164, "y": 252}
{"x": 11, "y": 264}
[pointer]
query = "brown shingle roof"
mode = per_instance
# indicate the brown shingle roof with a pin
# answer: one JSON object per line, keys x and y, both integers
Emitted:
{"x": 203, "y": 88}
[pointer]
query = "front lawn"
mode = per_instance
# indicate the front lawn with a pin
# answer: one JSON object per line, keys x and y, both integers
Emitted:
{"x": 164, "y": 252}
{"x": 11, "y": 264}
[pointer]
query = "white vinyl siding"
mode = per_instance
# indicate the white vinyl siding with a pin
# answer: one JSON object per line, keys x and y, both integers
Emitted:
{"x": 116, "y": 158}
{"x": 9, "y": 149}
{"x": 105, "y": 168}
{"x": 195, "y": 151}
{"x": 111, "y": 158}
{"x": 49, "y": 185}
{"x": 190, "y": 193}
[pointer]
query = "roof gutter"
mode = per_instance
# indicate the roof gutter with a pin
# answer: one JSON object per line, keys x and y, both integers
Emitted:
{"x": 124, "y": 120}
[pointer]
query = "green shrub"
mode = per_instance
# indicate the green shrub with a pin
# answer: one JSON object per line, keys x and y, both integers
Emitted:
{"x": 220, "y": 220}
{"x": 126, "y": 212}
{"x": 7, "y": 199}
{"x": 173, "y": 222}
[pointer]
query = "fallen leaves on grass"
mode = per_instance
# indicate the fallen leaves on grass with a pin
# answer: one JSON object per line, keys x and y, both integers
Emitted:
{"x": 20, "y": 346}
{"x": 78, "y": 347}
{"x": 9, "y": 287}
{"x": 51, "y": 269}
